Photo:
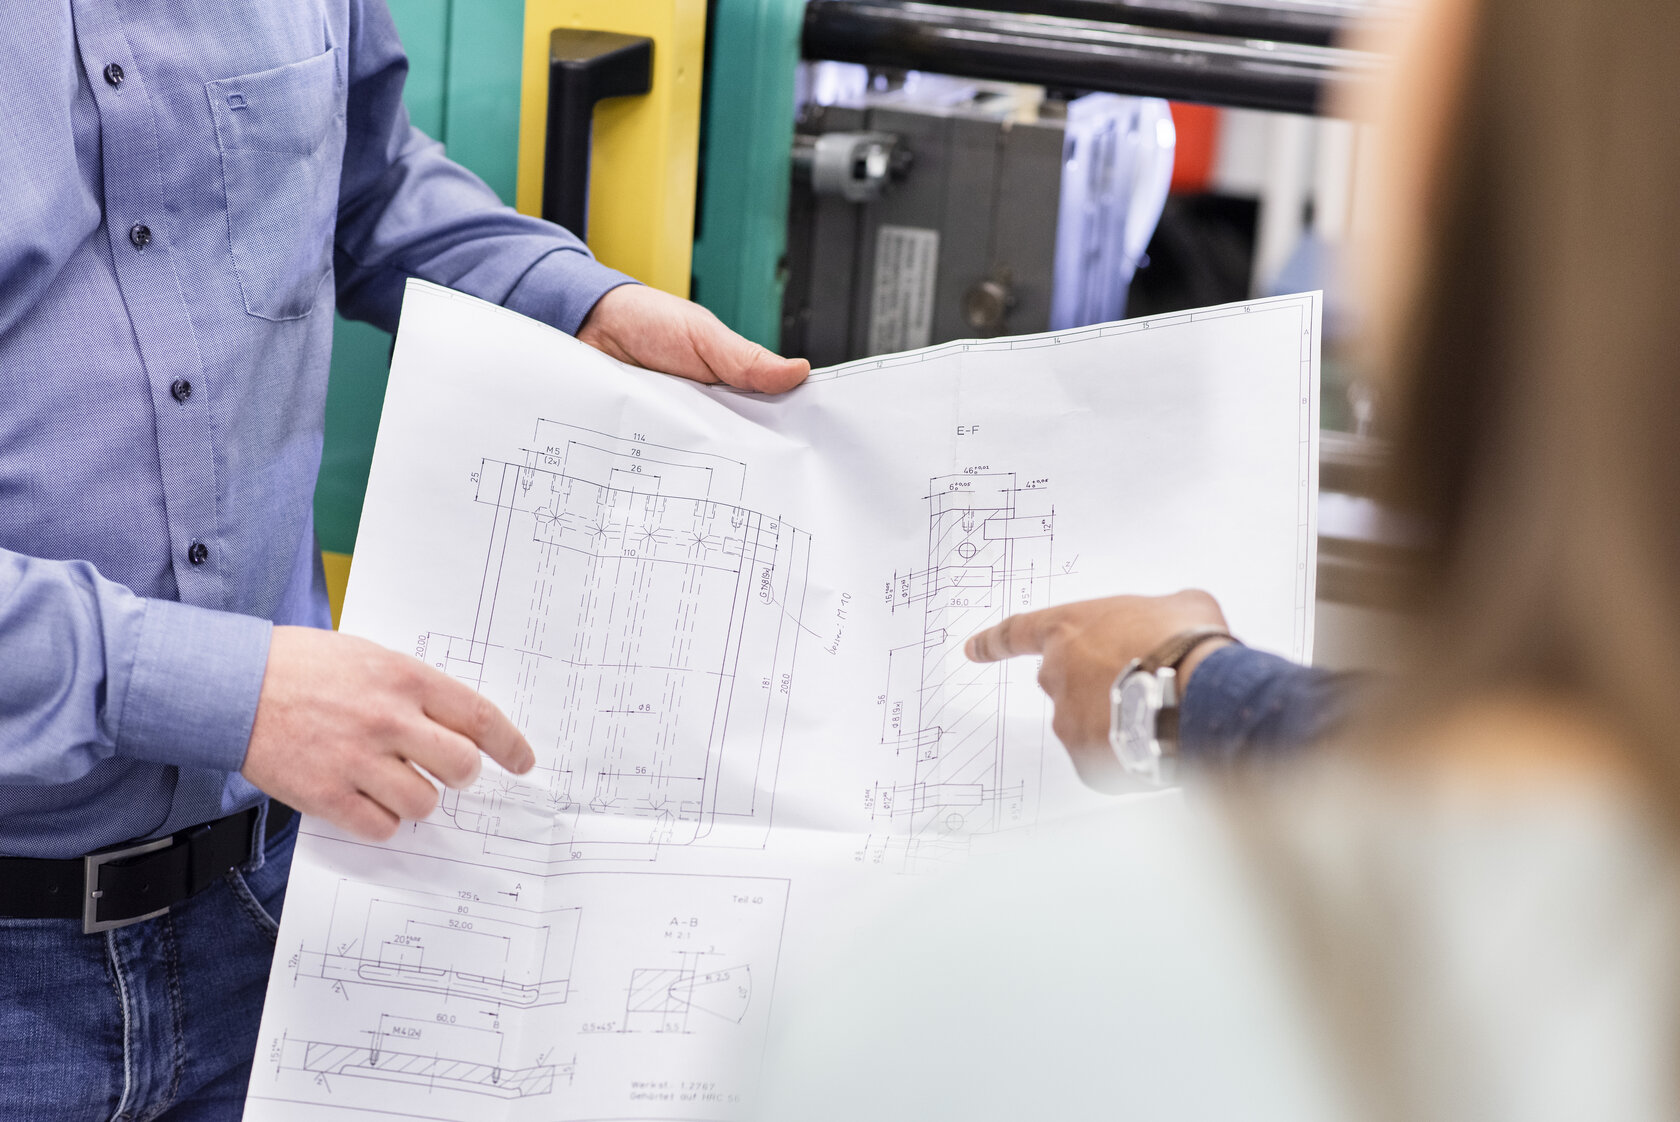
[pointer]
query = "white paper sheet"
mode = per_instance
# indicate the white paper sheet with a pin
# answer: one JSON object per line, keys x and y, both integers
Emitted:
{"x": 731, "y": 627}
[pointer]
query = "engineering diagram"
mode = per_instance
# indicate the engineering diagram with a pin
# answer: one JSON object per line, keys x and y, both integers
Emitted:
{"x": 466, "y": 994}
{"x": 604, "y": 937}
{"x": 443, "y": 987}
{"x": 456, "y": 947}
{"x": 466, "y": 1060}
{"x": 954, "y": 772}
{"x": 640, "y": 626}
{"x": 687, "y": 997}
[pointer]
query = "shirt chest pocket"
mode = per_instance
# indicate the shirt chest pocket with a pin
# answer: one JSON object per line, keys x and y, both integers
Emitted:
{"x": 281, "y": 135}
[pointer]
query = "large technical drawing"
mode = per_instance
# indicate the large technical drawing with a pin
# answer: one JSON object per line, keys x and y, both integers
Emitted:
{"x": 453, "y": 946}
{"x": 640, "y": 626}
{"x": 743, "y": 728}
{"x": 955, "y": 773}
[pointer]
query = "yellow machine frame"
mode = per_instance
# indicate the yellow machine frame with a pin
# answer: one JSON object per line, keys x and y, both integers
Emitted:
{"x": 646, "y": 149}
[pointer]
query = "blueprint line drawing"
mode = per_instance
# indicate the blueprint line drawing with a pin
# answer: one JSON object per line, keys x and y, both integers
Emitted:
{"x": 687, "y": 996}
{"x": 442, "y": 989}
{"x": 452, "y": 946}
{"x": 466, "y": 1060}
{"x": 467, "y": 994}
{"x": 640, "y": 626}
{"x": 955, "y": 774}
{"x": 731, "y": 627}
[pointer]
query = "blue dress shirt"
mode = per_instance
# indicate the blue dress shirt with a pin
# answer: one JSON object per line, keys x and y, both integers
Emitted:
{"x": 185, "y": 188}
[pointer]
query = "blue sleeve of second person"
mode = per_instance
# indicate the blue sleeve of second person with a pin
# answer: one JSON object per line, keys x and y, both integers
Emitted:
{"x": 1243, "y": 704}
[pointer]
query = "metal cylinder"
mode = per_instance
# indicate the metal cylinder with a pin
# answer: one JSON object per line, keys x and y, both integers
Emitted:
{"x": 857, "y": 166}
{"x": 1318, "y": 23}
{"x": 1078, "y": 54}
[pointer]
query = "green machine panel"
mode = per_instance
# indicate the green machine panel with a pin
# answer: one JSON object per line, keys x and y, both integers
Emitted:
{"x": 745, "y": 159}
{"x": 463, "y": 89}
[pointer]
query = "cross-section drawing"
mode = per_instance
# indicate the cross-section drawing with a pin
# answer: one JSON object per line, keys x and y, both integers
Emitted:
{"x": 954, "y": 773}
{"x": 456, "y": 947}
{"x": 435, "y": 1056}
{"x": 639, "y": 625}
{"x": 687, "y": 996}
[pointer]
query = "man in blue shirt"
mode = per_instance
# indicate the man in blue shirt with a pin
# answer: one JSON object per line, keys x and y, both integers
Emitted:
{"x": 190, "y": 187}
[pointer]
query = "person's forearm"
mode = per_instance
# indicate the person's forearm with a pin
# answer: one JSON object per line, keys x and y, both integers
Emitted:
{"x": 89, "y": 671}
{"x": 1242, "y": 703}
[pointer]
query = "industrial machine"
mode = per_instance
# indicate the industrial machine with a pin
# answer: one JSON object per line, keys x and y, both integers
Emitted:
{"x": 941, "y": 209}
{"x": 708, "y": 148}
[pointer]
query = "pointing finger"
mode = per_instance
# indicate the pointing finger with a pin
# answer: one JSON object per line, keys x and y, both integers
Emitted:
{"x": 1018, "y": 635}
{"x": 454, "y": 706}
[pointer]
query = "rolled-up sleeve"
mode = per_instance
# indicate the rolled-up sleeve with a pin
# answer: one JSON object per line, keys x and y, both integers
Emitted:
{"x": 1242, "y": 703}
{"x": 88, "y": 670}
{"x": 407, "y": 210}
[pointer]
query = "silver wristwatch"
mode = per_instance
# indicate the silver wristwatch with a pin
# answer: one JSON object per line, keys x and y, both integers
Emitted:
{"x": 1143, "y": 707}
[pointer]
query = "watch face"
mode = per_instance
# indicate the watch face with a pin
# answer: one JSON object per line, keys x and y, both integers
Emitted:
{"x": 1135, "y": 723}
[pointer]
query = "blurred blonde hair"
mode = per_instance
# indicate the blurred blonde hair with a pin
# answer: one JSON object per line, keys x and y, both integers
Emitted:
{"x": 1534, "y": 387}
{"x": 1538, "y": 373}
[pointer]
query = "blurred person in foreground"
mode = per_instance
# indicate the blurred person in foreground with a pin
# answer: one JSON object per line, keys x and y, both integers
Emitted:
{"x": 1467, "y": 905}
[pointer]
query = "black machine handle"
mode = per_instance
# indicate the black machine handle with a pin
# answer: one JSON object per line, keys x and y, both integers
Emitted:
{"x": 584, "y": 67}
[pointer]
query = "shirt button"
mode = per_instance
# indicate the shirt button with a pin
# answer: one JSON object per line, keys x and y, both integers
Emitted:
{"x": 140, "y": 235}
{"x": 114, "y": 75}
{"x": 198, "y": 553}
{"x": 180, "y": 389}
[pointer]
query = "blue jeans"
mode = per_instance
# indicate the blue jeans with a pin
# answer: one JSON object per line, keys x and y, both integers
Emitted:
{"x": 157, "y": 1020}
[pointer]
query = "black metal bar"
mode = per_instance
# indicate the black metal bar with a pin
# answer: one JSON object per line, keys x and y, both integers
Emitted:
{"x": 1364, "y": 574}
{"x": 1078, "y": 54}
{"x": 1318, "y": 23}
{"x": 584, "y": 67}
{"x": 1351, "y": 464}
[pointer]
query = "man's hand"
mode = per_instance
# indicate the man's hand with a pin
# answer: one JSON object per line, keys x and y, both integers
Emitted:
{"x": 1085, "y": 646}
{"x": 653, "y": 329}
{"x": 342, "y": 725}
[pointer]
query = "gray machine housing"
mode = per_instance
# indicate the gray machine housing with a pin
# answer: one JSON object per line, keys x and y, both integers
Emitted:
{"x": 961, "y": 244}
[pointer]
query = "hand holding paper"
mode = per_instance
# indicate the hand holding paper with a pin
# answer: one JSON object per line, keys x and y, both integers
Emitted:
{"x": 653, "y": 329}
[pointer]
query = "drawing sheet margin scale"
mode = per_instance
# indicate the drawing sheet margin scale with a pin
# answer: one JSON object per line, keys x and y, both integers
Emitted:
{"x": 731, "y": 627}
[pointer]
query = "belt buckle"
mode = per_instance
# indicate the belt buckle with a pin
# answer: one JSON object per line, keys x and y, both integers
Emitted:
{"x": 91, "y": 892}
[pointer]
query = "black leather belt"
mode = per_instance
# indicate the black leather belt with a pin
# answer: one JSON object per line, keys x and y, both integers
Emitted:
{"x": 125, "y": 884}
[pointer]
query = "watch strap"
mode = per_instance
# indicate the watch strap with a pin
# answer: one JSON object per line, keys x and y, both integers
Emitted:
{"x": 1178, "y": 648}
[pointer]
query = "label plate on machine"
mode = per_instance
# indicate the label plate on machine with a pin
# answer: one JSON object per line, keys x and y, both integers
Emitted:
{"x": 901, "y": 303}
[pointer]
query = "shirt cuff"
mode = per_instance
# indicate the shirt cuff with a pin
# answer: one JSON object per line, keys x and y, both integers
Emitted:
{"x": 192, "y": 691}
{"x": 1216, "y": 703}
{"x": 562, "y": 287}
